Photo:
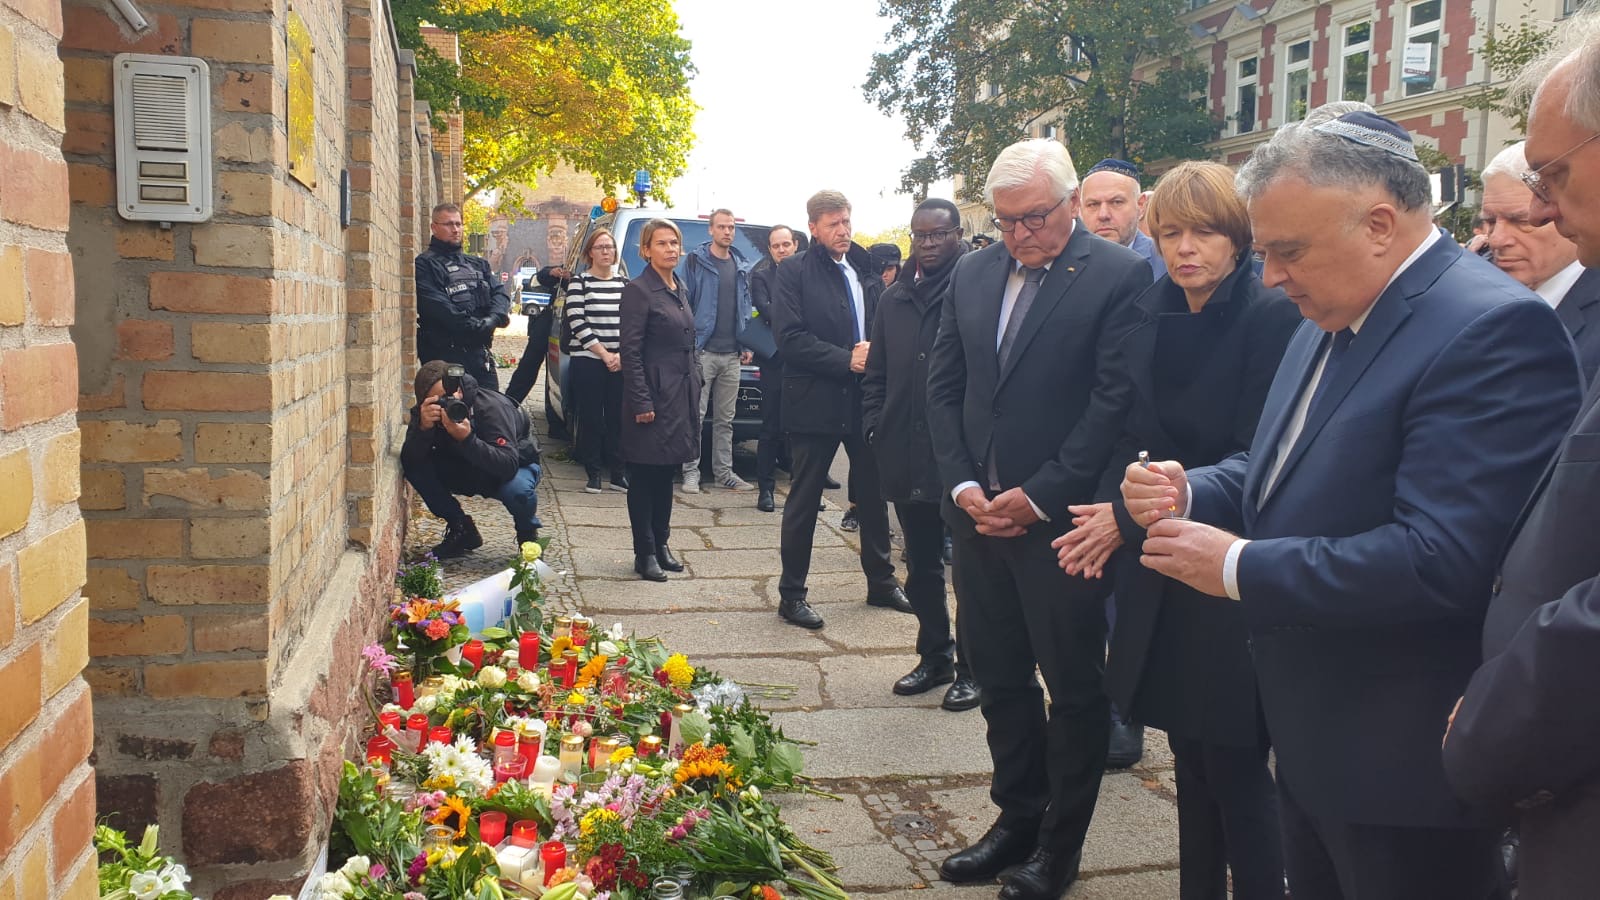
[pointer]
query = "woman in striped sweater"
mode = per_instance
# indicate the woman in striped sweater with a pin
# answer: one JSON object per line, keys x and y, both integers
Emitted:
{"x": 594, "y": 299}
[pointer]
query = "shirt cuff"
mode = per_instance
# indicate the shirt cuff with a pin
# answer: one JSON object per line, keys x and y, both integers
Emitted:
{"x": 1036, "y": 510}
{"x": 956, "y": 493}
{"x": 1230, "y": 568}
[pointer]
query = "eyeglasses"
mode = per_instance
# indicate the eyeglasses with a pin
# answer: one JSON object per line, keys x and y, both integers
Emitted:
{"x": 932, "y": 237}
{"x": 1537, "y": 184}
{"x": 1034, "y": 221}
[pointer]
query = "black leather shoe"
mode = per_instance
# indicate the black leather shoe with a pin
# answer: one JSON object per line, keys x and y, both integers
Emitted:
{"x": 895, "y": 599}
{"x": 619, "y": 482}
{"x": 648, "y": 567}
{"x": 849, "y": 522}
{"x": 667, "y": 561}
{"x": 1045, "y": 876}
{"x": 1127, "y": 745}
{"x": 948, "y": 554}
{"x": 963, "y": 695}
{"x": 998, "y": 848}
{"x": 592, "y": 486}
{"x": 527, "y": 536}
{"x": 764, "y": 501}
{"x": 925, "y": 677}
{"x": 830, "y": 484}
{"x": 799, "y": 612}
{"x": 460, "y": 538}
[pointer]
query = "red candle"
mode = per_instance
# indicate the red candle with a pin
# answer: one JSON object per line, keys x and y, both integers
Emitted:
{"x": 472, "y": 652}
{"x": 528, "y": 650}
{"x": 441, "y": 734}
{"x": 417, "y": 730}
{"x": 405, "y": 692}
{"x": 570, "y": 677}
{"x": 505, "y": 747}
{"x": 492, "y": 827}
{"x": 380, "y": 750}
{"x": 391, "y": 719}
{"x": 525, "y": 833}
{"x": 557, "y": 672}
{"x": 528, "y": 748}
{"x": 666, "y": 722}
{"x": 554, "y": 856}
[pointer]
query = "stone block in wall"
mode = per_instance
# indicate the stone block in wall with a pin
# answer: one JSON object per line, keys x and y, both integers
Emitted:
{"x": 208, "y": 584}
{"x": 34, "y": 191}
{"x": 206, "y": 292}
{"x": 19, "y": 702}
{"x": 207, "y": 391}
{"x": 144, "y": 636}
{"x": 16, "y": 501}
{"x": 222, "y": 679}
{"x": 50, "y": 570}
{"x": 130, "y": 442}
{"x": 233, "y": 443}
{"x": 130, "y": 801}
{"x": 38, "y": 382}
{"x": 141, "y": 538}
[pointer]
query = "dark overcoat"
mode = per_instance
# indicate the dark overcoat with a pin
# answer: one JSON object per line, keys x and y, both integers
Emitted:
{"x": 659, "y": 374}
{"x": 813, "y": 320}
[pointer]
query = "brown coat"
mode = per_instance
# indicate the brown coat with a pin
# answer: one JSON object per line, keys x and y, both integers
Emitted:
{"x": 659, "y": 374}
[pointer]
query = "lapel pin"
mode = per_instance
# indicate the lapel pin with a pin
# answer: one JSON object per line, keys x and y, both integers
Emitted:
{"x": 1071, "y": 269}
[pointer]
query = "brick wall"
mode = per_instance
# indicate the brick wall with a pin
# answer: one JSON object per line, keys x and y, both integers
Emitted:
{"x": 240, "y": 387}
{"x": 47, "y": 790}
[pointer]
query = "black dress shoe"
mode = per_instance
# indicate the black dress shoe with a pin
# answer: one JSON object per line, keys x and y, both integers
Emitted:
{"x": 619, "y": 482}
{"x": 849, "y": 522}
{"x": 799, "y": 612}
{"x": 925, "y": 677}
{"x": 1045, "y": 876}
{"x": 764, "y": 501}
{"x": 962, "y": 695}
{"x": 648, "y": 567}
{"x": 1127, "y": 745}
{"x": 830, "y": 484}
{"x": 948, "y": 554}
{"x": 667, "y": 560}
{"x": 999, "y": 847}
{"x": 895, "y": 599}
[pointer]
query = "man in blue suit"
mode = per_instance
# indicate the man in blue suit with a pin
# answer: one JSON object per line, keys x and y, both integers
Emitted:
{"x": 1409, "y": 417}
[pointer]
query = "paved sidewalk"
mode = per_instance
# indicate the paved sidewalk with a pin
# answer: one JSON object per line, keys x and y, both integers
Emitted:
{"x": 914, "y": 778}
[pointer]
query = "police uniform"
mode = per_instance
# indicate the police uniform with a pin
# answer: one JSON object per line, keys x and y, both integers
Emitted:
{"x": 459, "y": 305}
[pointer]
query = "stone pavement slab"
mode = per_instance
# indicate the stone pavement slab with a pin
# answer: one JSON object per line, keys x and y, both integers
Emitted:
{"x": 863, "y": 682}
{"x": 699, "y": 634}
{"x": 634, "y": 595}
{"x": 614, "y": 516}
{"x": 857, "y": 626}
{"x": 889, "y": 741}
{"x": 758, "y": 563}
{"x": 844, "y": 829}
{"x": 744, "y": 537}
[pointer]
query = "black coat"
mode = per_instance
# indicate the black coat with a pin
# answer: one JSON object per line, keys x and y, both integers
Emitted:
{"x": 659, "y": 374}
{"x": 501, "y": 442}
{"x": 459, "y": 305}
{"x": 1580, "y": 312}
{"x": 1052, "y": 415}
{"x": 1180, "y": 660}
{"x": 894, "y": 389}
{"x": 814, "y": 322}
{"x": 762, "y": 277}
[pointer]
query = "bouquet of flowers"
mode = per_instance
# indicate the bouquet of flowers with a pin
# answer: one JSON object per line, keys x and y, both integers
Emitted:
{"x": 426, "y": 631}
{"x": 139, "y": 872}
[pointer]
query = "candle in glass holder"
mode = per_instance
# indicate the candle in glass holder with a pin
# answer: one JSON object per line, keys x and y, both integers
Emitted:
{"x": 528, "y": 650}
{"x": 492, "y": 827}
{"x": 600, "y": 750}
{"x": 405, "y": 692}
{"x": 553, "y": 855}
{"x": 380, "y": 750}
{"x": 441, "y": 734}
{"x": 525, "y": 833}
{"x": 544, "y": 775}
{"x": 563, "y": 628}
{"x": 530, "y": 743}
{"x": 517, "y": 862}
{"x": 571, "y": 755}
{"x": 580, "y": 630}
{"x": 616, "y": 677}
{"x": 649, "y": 745}
{"x": 391, "y": 725}
{"x": 472, "y": 652}
{"x": 437, "y": 837}
{"x": 665, "y": 722}
{"x": 510, "y": 769}
{"x": 417, "y": 731}
{"x": 569, "y": 677}
{"x": 505, "y": 746}
{"x": 675, "y": 744}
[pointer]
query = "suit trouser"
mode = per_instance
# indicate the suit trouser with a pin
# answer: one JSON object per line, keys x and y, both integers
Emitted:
{"x": 532, "y": 358}
{"x": 719, "y": 381}
{"x": 597, "y": 396}
{"x": 650, "y": 506}
{"x": 1227, "y": 819}
{"x": 770, "y": 449}
{"x": 1331, "y": 860}
{"x": 923, "y": 528}
{"x": 813, "y": 454}
{"x": 1019, "y": 611}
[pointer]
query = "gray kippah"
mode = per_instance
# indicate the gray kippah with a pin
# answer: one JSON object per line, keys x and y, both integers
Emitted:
{"x": 1372, "y": 130}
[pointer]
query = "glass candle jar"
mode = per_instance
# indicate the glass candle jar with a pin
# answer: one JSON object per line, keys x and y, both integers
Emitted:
{"x": 528, "y": 650}
{"x": 553, "y": 855}
{"x": 417, "y": 731}
{"x": 404, "y": 690}
{"x": 580, "y": 630}
{"x": 649, "y": 746}
{"x": 571, "y": 755}
{"x": 525, "y": 833}
{"x": 492, "y": 827}
{"x": 505, "y": 746}
{"x": 563, "y": 628}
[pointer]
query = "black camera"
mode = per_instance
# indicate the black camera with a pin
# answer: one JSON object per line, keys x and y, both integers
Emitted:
{"x": 452, "y": 378}
{"x": 456, "y": 409}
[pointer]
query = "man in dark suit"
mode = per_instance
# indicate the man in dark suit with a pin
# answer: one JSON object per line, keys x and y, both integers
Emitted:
{"x": 1525, "y": 740}
{"x": 1409, "y": 416}
{"x": 1024, "y": 404}
{"x": 822, "y": 309}
{"x": 771, "y": 451}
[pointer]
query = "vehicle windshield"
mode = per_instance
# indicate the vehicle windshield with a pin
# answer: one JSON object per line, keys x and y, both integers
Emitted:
{"x": 695, "y": 233}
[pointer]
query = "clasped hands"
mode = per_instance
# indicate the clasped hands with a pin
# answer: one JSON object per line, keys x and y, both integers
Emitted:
{"x": 1008, "y": 515}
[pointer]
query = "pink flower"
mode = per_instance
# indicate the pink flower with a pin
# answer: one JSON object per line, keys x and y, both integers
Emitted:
{"x": 438, "y": 629}
{"x": 379, "y": 659}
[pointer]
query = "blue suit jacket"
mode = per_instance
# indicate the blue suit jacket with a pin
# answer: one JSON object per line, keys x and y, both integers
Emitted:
{"x": 1367, "y": 579}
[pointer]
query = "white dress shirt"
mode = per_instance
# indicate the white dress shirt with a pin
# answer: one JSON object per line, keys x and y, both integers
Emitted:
{"x": 1297, "y": 422}
{"x": 1555, "y": 288}
{"x": 857, "y": 300}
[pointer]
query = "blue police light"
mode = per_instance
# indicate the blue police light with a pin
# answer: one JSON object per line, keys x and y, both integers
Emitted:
{"x": 594, "y": 212}
{"x": 641, "y": 181}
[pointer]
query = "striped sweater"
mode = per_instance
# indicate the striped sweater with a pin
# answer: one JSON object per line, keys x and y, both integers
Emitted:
{"x": 594, "y": 312}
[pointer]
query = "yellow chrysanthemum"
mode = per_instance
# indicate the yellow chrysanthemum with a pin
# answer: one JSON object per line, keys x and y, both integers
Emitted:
{"x": 594, "y": 818}
{"x": 678, "y": 670}
{"x": 621, "y": 755}
{"x": 440, "y": 782}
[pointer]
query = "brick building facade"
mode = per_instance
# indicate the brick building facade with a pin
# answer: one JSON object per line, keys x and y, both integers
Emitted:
{"x": 239, "y": 387}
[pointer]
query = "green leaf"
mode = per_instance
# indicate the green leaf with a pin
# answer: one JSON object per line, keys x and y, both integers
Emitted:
{"x": 694, "y": 727}
{"x": 493, "y": 633}
{"x": 741, "y": 743}
{"x": 785, "y": 761}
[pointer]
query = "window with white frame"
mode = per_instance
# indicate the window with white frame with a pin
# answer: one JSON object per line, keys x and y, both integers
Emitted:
{"x": 1419, "y": 59}
{"x": 1297, "y": 81}
{"x": 1356, "y": 70}
{"x": 1048, "y": 131}
{"x": 1244, "y": 94}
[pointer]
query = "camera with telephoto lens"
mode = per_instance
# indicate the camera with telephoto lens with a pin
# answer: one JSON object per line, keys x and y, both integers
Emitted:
{"x": 454, "y": 406}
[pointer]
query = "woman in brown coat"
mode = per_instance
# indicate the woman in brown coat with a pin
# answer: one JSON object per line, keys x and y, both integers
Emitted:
{"x": 661, "y": 396}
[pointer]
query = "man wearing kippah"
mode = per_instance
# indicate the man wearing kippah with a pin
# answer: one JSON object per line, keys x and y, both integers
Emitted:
{"x": 1409, "y": 418}
{"x": 1113, "y": 206}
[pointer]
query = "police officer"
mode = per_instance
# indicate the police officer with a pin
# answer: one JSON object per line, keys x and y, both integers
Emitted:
{"x": 459, "y": 302}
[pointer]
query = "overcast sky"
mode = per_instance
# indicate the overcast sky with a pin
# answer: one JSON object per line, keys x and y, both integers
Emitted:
{"x": 782, "y": 114}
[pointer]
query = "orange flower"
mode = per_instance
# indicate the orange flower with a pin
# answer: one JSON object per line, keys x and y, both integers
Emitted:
{"x": 438, "y": 628}
{"x": 769, "y": 893}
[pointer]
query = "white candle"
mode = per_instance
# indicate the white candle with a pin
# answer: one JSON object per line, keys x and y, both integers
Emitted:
{"x": 545, "y": 770}
{"x": 517, "y": 863}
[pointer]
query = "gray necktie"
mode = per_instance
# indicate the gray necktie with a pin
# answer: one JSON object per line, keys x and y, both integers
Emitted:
{"x": 1019, "y": 310}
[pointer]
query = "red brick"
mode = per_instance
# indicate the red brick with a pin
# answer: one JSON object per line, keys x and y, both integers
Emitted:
{"x": 34, "y": 191}
{"x": 70, "y": 738}
{"x": 149, "y": 636}
{"x": 283, "y": 804}
{"x": 50, "y": 286}
{"x": 19, "y": 702}
{"x": 114, "y": 396}
{"x": 91, "y": 28}
{"x": 90, "y": 132}
{"x": 73, "y": 828}
{"x": 37, "y": 383}
{"x": 44, "y": 13}
{"x": 141, "y": 339}
{"x": 200, "y": 292}
{"x": 21, "y": 800}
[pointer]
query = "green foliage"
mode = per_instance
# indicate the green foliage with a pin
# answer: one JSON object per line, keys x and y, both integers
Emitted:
{"x": 900, "y": 236}
{"x": 137, "y": 872}
{"x": 972, "y": 76}
{"x": 423, "y": 578}
{"x": 1508, "y": 52}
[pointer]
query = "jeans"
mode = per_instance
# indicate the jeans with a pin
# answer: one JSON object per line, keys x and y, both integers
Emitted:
{"x": 438, "y": 483}
{"x": 719, "y": 373}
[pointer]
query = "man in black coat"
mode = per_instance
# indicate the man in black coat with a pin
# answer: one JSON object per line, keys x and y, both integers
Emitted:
{"x": 483, "y": 447}
{"x": 1024, "y": 405}
{"x": 894, "y": 416}
{"x": 822, "y": 309}
{"x": 459, "y": 301}
{"x": 770, "y": 450}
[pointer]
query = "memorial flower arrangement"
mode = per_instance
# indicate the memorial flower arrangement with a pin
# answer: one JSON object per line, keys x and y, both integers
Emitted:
{"x": 137, "y": 872}
{"x": 558, "y": 760}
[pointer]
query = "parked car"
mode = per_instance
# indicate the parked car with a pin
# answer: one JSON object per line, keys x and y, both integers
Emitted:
{"x": 625, "y": 224}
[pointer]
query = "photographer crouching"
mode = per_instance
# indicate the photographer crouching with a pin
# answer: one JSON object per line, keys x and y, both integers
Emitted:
{"x": 468, "y": 439}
